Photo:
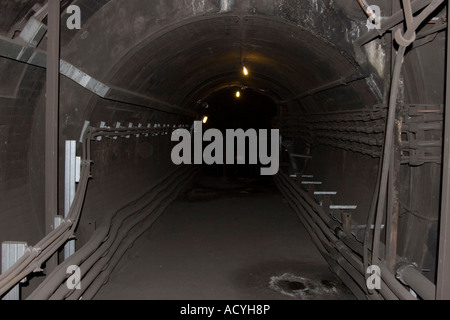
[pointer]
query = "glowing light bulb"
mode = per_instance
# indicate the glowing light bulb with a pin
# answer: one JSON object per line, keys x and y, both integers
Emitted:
{"x": 238, "y": 94}
{"x": 205, "y": 119}
{"x": 245, "y": 71}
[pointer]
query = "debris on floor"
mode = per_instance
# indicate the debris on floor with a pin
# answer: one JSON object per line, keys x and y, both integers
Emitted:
{"x": 300, "y": 287}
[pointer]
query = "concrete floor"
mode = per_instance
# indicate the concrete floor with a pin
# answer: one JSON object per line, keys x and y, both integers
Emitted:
{"x": 236, "y": 240}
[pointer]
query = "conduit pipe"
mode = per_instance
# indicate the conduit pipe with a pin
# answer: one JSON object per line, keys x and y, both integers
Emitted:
{"x": 338, "y": 251}
{"x": 102, "y": 278}
{"x": 352, "y": 278}
{"x": 116, "y": 242}
{"x": 87, "y": 255}
{"x": 35, "y": 256}
{"x": 411, "y": 276}
{"x": 404, "y": 41}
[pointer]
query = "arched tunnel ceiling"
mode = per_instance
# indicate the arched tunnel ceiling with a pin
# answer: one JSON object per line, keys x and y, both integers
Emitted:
{"x": 181, "y": 54}
{"x": 177, "y": 52}
{"x": 172, "y": 64}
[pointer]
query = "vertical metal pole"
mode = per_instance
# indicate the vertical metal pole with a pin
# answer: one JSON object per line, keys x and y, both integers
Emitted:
{"x": 393, "y": 201}
{"x": 52, "y": 114}
{"x": 52, "y": 119}
{"x": 443, "y": 276}
{"x": 393, "y": 206}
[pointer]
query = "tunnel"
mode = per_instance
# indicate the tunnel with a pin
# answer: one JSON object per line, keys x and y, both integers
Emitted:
{"x": 225, "y": 150}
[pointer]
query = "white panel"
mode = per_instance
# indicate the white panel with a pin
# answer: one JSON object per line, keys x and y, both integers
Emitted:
{"x": 69, "y": 249}
{"x": 11, "y": 253}
{"x": 78, "y": 169}
{"x": 58, "y": 220}
{"x": 325, "y": 193}
{"x": 336, "y": 207}
{"x": 70, "y": 173}
{"x": 83, "y": 79}
{"x": 312, "y": 182}
{"x": 33, "y": 32}
{"x": 71, "y": 170}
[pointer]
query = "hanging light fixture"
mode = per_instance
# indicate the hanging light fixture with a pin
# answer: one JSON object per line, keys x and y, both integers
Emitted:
{"x": 245, "y": 71}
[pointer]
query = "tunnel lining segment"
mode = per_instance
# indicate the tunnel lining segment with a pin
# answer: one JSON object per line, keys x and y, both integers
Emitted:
{"x": 140, "y": 74}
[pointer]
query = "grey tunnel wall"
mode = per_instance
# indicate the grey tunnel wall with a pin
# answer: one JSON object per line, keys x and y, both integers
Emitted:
{"x": 162, "y": 59}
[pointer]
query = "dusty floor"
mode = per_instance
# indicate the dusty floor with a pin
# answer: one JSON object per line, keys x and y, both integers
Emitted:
{"x": 237, "y": 240}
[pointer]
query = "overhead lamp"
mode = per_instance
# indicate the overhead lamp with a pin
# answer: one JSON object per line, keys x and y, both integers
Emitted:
{"x": 238, "y": 94}
{"x": 245, "y": 71}
{"x": 205, "y": 119}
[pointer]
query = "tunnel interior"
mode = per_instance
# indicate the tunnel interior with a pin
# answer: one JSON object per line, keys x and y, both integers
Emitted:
{"x": 234, "y": 108}
{"x": 251, "y": 110}
{"x": 359, "y": 111}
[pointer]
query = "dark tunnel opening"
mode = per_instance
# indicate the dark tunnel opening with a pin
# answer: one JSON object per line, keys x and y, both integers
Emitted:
{"x": 95, "y": 182}
{"x": 234, "y": 108}
{"x": 251, "y": 110}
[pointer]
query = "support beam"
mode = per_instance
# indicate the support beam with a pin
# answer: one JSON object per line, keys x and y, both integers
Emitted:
{"x": 343, "y": 81}
{"x": 443, "y": 276}
{"x": 117, "y": 94}
{"x": 52, "y": 115}
{"x": 393, "y": 206}
{"x": 12, "y": 49}
{"x": 390, "y": 22}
